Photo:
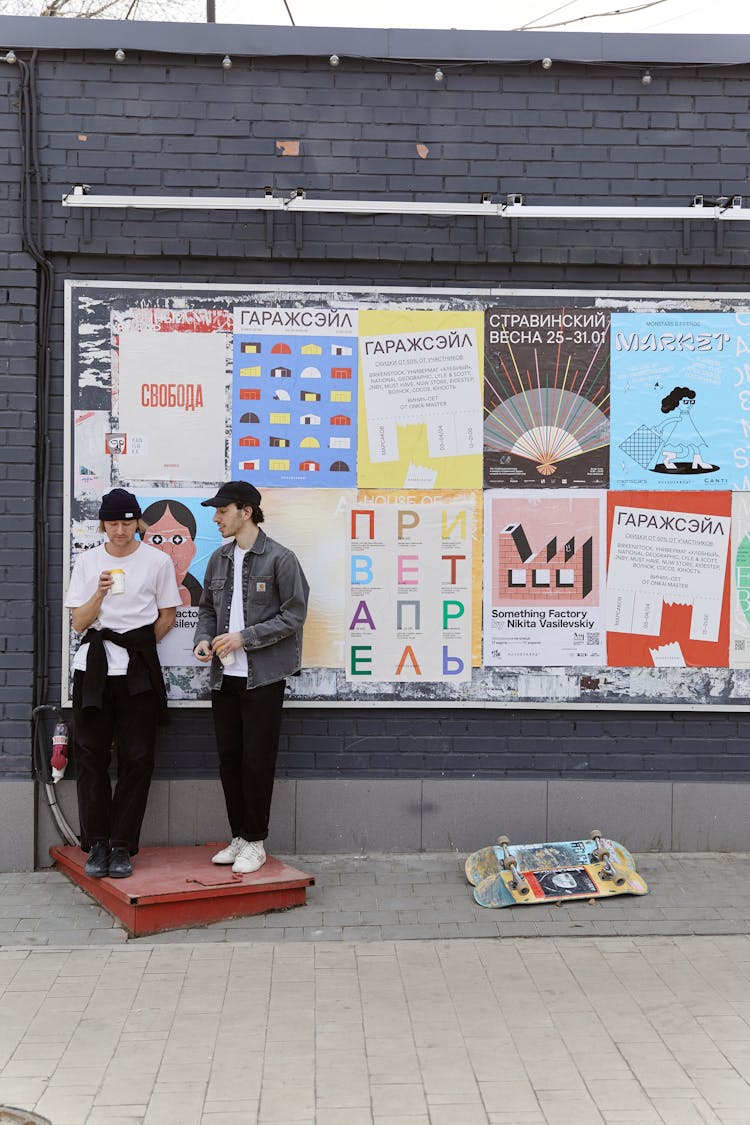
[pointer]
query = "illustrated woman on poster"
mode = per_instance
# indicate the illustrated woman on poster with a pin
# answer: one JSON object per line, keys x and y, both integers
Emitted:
{"x": 172, "y": 529}
{"x": 681, "y": 441}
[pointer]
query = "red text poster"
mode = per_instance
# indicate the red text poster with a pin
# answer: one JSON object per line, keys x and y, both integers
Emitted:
{"x": 667, "y": 579}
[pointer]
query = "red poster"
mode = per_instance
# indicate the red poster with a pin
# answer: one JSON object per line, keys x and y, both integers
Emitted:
{"x": 667, "y": 579}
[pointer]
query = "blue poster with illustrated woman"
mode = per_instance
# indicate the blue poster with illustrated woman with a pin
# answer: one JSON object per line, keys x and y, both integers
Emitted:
{"x": 178, "y": 526}
{"x": 676, "y": 408}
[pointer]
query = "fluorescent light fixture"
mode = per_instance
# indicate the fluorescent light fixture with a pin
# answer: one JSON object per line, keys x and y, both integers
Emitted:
{"x": 724, "y": 209}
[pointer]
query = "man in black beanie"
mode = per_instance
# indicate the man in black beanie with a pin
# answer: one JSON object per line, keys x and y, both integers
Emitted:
{"x": 123, "y": 597}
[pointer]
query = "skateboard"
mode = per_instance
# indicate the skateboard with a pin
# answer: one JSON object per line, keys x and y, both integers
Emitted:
{"x": 524, "y": 874}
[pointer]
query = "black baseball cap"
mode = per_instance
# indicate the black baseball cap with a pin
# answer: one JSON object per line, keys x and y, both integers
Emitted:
{"x": 234, "y": 492}
{"x": 119, "y": 504}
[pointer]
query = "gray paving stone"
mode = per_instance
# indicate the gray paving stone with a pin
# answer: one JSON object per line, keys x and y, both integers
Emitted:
{"x": 414, "y": 1014}
{"x": 362, "y": 933}
{"x": 662, "y": 989}
{"x": 343, "y": 918}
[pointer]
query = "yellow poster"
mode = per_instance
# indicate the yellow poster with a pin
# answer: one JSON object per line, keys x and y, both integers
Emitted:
{"x": 420, "y": 399}
{"x": 314, "y": 523}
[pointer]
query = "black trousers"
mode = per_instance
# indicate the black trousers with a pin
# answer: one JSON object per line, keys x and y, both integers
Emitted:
{"x": 247, "y": 725}
{"x": 131, "y": 720}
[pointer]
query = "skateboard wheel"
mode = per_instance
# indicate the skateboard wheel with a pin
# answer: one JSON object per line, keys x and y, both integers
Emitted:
{"x": 503, "y": 840}
{"x": 595, "y": 832}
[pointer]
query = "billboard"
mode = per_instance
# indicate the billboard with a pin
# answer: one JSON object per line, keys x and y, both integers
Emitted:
{"x": 498, "y": 499}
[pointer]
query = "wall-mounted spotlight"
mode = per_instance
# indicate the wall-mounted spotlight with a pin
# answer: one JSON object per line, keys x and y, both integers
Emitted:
{"x": 226, "y": 62}
{"x": 120, "y": 54}
{"x": 439, "y": 76}
{"x": 546, "y": 63}
{"x": 646, "y": 79}
{"x": 334, "y": 60}
{"x": 9, "y": 57}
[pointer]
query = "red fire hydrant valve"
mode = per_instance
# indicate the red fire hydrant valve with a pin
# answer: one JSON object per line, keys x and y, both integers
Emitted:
{"x": 59, "y": 758}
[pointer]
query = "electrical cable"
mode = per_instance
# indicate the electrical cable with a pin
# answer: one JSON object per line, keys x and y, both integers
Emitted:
{"x": 592, "y": 16}
{"x": 40, "y": 762}
{"x": 32, "y": 241}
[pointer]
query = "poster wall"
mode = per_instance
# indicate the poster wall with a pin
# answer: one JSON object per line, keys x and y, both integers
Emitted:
{"x": 497, "y": 498}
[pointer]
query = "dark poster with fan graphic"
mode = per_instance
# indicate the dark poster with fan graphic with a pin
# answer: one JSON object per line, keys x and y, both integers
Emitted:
{"x": 546, "y": 398}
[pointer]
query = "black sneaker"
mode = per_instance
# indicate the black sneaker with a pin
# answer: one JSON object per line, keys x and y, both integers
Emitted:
{"x": 97, "y": 865}
{"x": 119, "y": 864}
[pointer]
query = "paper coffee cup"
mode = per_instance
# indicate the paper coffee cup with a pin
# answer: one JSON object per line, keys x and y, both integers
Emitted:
{"x": 227, "y": 659}
{"x": 118, "y": 582}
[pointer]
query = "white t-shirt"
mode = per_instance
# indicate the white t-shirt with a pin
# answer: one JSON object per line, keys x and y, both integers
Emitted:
{"x": 237, "y": 616}
{"x": 150, "y": 585}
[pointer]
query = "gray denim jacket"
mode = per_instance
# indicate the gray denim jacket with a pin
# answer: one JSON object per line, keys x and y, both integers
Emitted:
{"x": 275, "y": 593}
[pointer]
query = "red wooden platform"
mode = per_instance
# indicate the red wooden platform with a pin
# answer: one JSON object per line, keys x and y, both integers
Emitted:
{"x": 172, "y": 888}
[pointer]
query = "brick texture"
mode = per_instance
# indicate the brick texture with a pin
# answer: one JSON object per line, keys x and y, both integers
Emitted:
{"x": 17, "y": 444}
{"x": 574, "y": 134}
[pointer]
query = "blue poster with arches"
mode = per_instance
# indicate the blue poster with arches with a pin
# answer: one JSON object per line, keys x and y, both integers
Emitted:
{"x": 294, "y": 409}
{"x": 679, "y": 420}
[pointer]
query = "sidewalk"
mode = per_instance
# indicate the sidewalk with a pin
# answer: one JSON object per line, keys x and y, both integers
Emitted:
{"x": 397, "y": 897}
{"x": 326, "y": 1015}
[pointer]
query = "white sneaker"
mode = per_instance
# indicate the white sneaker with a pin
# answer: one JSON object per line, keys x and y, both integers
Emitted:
{"x": 251, "y": 856}
{"x": 230, "y": 852}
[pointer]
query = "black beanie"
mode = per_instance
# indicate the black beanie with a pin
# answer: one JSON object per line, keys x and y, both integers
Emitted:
{"x": 119, "y": 505}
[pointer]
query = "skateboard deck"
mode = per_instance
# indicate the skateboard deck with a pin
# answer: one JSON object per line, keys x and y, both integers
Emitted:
{"x": 552, "y": 872}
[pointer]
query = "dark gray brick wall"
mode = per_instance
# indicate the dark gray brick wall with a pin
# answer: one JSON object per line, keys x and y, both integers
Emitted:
{"x": 170, "y": 124}
{"x": 17, "y": 441}
{"x": 570, "y": 135}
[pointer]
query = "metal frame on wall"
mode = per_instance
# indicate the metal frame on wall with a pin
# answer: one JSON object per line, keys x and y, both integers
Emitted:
{"x": 501, "y": 497}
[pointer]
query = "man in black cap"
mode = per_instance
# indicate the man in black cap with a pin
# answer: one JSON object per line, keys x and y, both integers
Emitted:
{"x": 123, "y": 597}
{"x": 250, "y": 619}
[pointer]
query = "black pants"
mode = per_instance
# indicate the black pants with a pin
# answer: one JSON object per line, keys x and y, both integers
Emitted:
{"x": 131, "y": 721}
{"x": 247, "y": 725}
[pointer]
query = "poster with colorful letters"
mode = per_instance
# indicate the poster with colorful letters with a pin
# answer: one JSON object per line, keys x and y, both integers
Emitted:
{"x": 410, "y": 585}
{"x": 473, "y": 500}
